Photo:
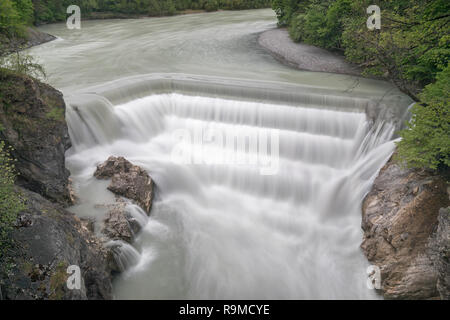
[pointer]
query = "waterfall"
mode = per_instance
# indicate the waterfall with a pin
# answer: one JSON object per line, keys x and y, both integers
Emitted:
{"x": 224, "y": 230}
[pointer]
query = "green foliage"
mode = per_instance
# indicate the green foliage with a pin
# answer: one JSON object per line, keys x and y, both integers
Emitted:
{"x": 11, "y": 203}
{"x": 22, "y": 63}
{"x": 12, "y": 19}
{"x": 314, "y": 28}
{"x": 412, "y": 49}
{"x": 24, "y": 10}
{"x": 211, "y": 5}
{"x": 154, "y": 8}
{"x": 426, "y": 141}
{"x": 56, "y": 114}
{"x": 412, "y": 46}
{"x": 287, "y": 9}
{"x": 54, "y": 10}
{"x": 297, "y": 27}
{"x": 321, "y": 23}
{"x": 160, "y": 8}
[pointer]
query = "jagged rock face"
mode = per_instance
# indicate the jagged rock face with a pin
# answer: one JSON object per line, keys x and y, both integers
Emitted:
{"x": 47, "y": 240}
{"x": 32, "y": 118}
{"x": 120, "y": 224}
{"x": 400, "y": 215}
{"x": 128, "y": 180}
{"x": 440, "y": 253}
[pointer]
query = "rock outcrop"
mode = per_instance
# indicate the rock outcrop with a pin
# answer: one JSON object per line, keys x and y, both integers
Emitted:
{"x": 46, "y": 238}
{"x": 36, "y": 37}
{"x": 400, "y": 219}
{"x": 129, "y": 181}
{"x": 119, "y": 224}
{"x": 33, "y": 123}
{"x": 440, "y": 253}
{"x": 33, "y": 37}
{"x": 49, "y": 239}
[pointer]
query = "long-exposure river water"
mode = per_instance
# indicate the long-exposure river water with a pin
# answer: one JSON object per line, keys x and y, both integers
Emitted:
{"x": 222, "y": 230}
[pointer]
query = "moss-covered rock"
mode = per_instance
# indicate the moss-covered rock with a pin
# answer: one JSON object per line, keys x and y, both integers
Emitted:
{"x": 32, "y": 122}
{"x": 46, "y": 240}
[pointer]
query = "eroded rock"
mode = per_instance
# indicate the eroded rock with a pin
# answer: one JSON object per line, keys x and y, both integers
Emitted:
{"x": 32, "y": 118}
{"x": 128, "y": 180}
{"x": 440, "y": 253}
{"x": 119, "y": 224}
{"x": 48, "y": 239}
{"x": 400, "y": 215}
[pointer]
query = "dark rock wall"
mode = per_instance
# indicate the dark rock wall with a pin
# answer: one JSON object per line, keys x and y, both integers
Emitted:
{"x": 47, "y": 238}
{"x": 32, "y": 115}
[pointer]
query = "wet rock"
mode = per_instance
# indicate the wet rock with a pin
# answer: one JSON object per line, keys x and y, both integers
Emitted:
{"x": 112, "y": 166}
{"x": 43, "y": 249}
{"x": 32, "y": 118}
{"x": 119, "y": 224}
{"x": 400, "y": 214}
{"x": 128, "y": 180}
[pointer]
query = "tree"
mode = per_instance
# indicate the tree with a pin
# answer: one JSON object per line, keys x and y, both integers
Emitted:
{"x": 10, "y": 23}
{"x": 426, "y": 140}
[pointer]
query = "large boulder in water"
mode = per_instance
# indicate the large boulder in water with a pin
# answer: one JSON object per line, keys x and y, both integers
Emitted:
{"x": 119, "y": 223}
{"x": 403, "y": 235}
{"x": 128, "y": 180}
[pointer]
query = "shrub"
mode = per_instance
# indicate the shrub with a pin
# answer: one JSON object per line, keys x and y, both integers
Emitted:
{"x": 212, "y": 5}
{"x": 154, "y": 8}
{"x": 426, "y": 140}
{"x": 296, "y": 28}
{"x": 22, "y": 63}
{"x": 10, "y": 23}
{"x": 11, "y": 203}
{"x": 315, "y": 31}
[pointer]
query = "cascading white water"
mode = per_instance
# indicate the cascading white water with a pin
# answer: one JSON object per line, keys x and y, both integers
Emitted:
{"x": 224, "y": 230}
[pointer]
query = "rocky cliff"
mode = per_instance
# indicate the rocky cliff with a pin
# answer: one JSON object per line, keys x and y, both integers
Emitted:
{"x": 406, "y": 233}
{"x": 32, "y": 116}
{"x": 46, "y": 238}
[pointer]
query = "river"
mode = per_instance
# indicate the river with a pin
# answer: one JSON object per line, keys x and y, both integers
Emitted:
{"x": 223, "y": 231}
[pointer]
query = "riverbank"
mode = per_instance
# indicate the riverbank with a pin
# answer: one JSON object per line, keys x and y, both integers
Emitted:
{"x": 405, "y": 218}
{"x": 303, "y": 56}
{"x": 405, "y": 215}
{"x": 33, "y": 37}
{"x": 45, "y": 238}
{"x": 239, "y": 59}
